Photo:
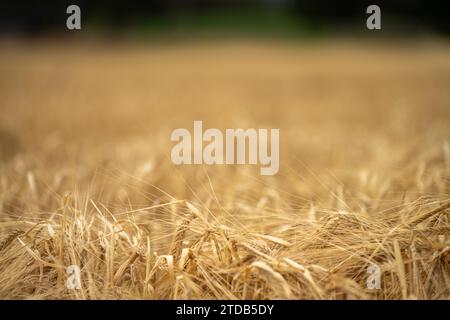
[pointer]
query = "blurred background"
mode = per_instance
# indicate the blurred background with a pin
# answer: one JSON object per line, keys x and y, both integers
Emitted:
{"x": 286, "y": 18}
{"x": 346, "y": 99}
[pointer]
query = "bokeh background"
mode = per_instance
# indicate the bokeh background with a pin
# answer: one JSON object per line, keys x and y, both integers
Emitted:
{"x": 138, "y": 69}
{"x": 199, "y": 17}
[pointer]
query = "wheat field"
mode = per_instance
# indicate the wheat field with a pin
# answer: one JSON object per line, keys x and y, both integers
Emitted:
{"x": 86, "y": 177}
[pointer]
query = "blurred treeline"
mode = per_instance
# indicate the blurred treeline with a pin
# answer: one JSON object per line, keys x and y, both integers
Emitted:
{"x": 282, "y": 17}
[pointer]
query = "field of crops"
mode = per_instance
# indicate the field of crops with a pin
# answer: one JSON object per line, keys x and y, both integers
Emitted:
{"x": 86, "y": 177}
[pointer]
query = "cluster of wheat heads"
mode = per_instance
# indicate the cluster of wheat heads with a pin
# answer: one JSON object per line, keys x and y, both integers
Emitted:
{"x": 177, "y": 250}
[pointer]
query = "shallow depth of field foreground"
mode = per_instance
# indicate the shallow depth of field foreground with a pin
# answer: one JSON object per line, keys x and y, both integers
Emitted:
{"x": 86, "y": 177}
